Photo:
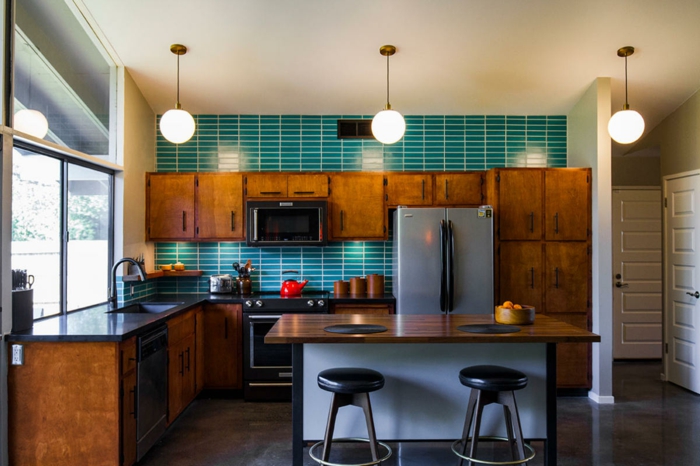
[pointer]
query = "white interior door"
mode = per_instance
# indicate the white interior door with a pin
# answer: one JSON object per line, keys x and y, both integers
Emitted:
{"x": 681, "y": 282}
{"x": 637, "y": 298}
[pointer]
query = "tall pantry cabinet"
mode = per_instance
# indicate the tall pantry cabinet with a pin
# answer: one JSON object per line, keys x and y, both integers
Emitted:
{"x": 543, "y": 252}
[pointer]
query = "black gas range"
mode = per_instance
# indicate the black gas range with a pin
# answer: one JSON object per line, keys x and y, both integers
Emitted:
{"x": 267, "y": 369}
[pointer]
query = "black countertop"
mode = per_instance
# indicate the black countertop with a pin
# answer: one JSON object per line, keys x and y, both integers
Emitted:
{"x": 97, "y": 324}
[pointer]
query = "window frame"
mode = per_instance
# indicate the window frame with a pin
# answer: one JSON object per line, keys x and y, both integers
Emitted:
{"x": 65, "y": 161}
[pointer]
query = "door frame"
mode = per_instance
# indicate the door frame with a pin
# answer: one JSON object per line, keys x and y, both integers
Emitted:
{"x": 661, "y": 189}
{"x": 664, "y": 263}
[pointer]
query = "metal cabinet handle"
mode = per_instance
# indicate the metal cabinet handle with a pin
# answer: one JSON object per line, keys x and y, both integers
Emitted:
{"x": 532, "y": 222}
{"x": 233, "y": 220}
{"x": 447, "y": 190}
{"x": 342, "y": 226}
{"x": 270, "y": 192}
{"x": 556, "y": 277}
{"x": 422, "y": 194}
{"x": 696, "y": 294}
{"x": 556, "y": 222}
{"x": 304, "y": 192}
{"x": 532, "y": 278}
{"x": 184, "y": 221}
{"x": 625, "y": 285}
{"x": 133, "y": 393}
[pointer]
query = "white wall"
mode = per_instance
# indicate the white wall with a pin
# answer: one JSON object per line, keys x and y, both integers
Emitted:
{"x": 589, "y": 145}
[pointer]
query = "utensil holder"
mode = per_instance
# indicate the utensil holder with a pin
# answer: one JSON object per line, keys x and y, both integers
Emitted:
{"x": 340, "y": 287}
{"x": 358, "y": 285}
{"x": 22, "y": 310}
{"x": 375, "y": 284}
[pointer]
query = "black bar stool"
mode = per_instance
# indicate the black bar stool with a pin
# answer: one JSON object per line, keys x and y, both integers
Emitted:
{"x": 350, "y": 386}
{"x": 492, "y": 384}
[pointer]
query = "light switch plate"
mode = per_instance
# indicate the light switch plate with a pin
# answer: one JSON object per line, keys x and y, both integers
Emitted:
{"x": 17, "y": 355}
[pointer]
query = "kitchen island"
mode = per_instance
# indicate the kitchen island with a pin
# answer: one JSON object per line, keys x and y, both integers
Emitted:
{"x": 420, "y": 357}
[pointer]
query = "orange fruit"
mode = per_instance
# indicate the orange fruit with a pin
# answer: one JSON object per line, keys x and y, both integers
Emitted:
{"x": 517, "y": 306}
{"x": 508, "y": 304}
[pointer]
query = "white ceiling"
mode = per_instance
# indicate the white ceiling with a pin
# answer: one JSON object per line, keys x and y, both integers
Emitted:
{"x": 511, "y": 57}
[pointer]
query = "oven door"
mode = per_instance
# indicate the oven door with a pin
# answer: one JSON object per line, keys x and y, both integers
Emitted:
{"x": 267, "y": 369}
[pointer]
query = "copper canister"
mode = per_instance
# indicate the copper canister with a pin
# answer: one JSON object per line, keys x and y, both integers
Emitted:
{"x": 358, "y": 285}
{"x": 340, "y": 287}
{"x": 375, "y": 284}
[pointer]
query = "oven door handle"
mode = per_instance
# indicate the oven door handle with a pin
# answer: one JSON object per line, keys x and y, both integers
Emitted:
{"x": 264, "y": 317}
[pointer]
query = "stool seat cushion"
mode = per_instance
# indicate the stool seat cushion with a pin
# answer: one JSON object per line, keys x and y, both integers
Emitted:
{"x": 350, "y": 380}
{"x": 492, "y": 378}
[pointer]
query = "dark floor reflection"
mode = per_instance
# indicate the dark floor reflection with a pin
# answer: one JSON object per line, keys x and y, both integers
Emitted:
{"x": 651, "y": 423}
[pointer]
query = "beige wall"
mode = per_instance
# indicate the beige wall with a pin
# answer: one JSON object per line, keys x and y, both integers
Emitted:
{"x": 636, "y": 171}
{"x": 590, "y": 146}
{"x": 137, "y": 156}
{"x": 678, "y": 137}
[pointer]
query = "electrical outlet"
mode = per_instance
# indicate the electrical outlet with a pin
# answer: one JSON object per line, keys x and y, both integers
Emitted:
{"x": 131, "y": 291}
{"x": 17, "y": 355}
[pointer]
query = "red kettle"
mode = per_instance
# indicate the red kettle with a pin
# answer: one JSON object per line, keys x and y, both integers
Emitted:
{"x": 292, "y": 287}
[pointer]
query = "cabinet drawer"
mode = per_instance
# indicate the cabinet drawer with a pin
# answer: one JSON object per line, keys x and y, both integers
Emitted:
{"x": 181, "y": 327}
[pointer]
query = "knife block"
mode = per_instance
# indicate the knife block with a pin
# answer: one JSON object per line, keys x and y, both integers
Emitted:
{"x": 22, "y": 310}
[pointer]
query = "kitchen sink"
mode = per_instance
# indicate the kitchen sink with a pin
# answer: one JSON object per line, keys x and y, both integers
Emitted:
{"x": 145, "y": 308}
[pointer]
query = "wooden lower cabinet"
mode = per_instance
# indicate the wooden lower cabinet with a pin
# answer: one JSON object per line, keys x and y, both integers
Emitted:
{"x": 222, "y": 346}
{"x": 128, "y": 393}
{"x": 181, "y": 363}
{"x": 362, "y": 309}
{"x": 574, "y": 359}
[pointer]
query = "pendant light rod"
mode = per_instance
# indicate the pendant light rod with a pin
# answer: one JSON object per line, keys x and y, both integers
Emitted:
{"x": 178, "y": 49}
{"x": 387, "y": 51}
{"x": 625, "y": 52}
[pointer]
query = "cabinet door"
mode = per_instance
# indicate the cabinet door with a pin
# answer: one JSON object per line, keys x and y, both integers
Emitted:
{"x": 220, "y": 206}
{"x": 459, "y": 189}
{"x": 357, "y": 206}
{"x": 222, "y": 345}
{"x": 409, "y": 189}
{"x": 176, "y": 371}
{"x": 520, "y": 265}
{"x": 567, "y": 204}
{"x": 170, "y": 206}
{"x": 307, "y": 185}
{"x": 129, "y": 418}
{"x": 574, "y": 359}
{"x": 361, "y": 309}
{"x": 567, "y": 266}
{"x": 266, "y": 185}
{"x": 520, "y": 204}
{"x": 199, "y": 350}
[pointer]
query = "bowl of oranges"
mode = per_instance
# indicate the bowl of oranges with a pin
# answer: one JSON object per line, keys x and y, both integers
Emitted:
{"x": 514, "y": 314}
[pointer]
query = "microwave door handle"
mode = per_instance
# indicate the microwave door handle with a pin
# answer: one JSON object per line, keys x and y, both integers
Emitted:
{"x": 255, "y": 224}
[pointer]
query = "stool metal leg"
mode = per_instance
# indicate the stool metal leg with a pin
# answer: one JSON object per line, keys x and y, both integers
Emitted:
{"x": 468, "y": 423}
{"x": 330, "y": 426}
{"x": 509, "y": 433}
{"x": 508, "y": 400}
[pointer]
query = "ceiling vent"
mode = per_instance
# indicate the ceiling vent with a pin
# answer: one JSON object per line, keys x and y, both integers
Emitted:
{"x": 355, "y": 129}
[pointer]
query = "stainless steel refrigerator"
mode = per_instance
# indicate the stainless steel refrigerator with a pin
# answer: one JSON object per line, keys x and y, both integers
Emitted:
{"x": 443, "y": 260}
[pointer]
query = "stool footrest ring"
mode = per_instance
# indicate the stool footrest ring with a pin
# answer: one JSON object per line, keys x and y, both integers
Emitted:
{"x": 502, "y": 463}
{"x": 350, "y": 439}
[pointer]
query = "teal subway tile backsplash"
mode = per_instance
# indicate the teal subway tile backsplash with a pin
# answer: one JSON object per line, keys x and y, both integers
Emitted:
{"x": 309, "y": 143}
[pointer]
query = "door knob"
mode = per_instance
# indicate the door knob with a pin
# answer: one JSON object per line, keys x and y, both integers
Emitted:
{"x": 621, "y": 285}
{"x": 696, "y": 294}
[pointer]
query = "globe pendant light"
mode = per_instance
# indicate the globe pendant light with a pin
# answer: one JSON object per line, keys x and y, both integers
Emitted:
{"x": 32, "y": 122}
{"x": 177, "y": 125}
{"x": 626, "y": 126}
{"x": 388, "y": 126}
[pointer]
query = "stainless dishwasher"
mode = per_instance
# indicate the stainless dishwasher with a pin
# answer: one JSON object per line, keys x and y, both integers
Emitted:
{"x": 151, "y": 389}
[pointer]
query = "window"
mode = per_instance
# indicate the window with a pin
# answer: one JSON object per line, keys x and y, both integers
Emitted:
{"x": 61, "y": 229}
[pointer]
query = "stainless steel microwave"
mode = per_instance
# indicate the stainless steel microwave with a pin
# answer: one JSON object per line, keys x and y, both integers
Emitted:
{"x": 286, "y": 223}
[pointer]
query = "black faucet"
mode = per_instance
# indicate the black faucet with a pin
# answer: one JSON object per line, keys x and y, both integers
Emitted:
{"x": 112, "y": 299}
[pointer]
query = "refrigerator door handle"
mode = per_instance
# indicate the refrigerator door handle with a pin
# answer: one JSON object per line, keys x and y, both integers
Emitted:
{"x": 443, "y": 266}
{"x": 450, "y": 267}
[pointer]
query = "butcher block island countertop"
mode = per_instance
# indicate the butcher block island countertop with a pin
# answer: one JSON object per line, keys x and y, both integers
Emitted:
{"x": 428, "y": 328}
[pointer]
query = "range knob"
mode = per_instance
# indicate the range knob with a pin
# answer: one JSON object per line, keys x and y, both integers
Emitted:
{"x": 258, "y": 303}
{"x": 321, "y": 303}
{"x": 249, "y": 303}
{"x": 310, "y": 303}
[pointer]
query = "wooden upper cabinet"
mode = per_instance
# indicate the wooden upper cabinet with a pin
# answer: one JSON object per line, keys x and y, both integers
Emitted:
{"x": 520, "y": 278}
{"x": 409, "y": 189}
{"x": 307, "y": 185}
{"x": 567, "y": 267}
{"x": 266, "y": 184}
{"x": 219, "y": 202}
{"x": 567, "y": 204}
{"x": 357, "y": 206}
{"x": 520, "y": 204}
{"x": 459, "y": 189}
{"x": 170, "y": 206}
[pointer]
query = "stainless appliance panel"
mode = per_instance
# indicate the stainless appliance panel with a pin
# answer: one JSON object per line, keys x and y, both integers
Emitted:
{"x": 473, "y": 262}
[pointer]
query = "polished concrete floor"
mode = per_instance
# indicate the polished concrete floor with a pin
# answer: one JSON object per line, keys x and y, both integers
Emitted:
{"x": 651, "y": 423}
